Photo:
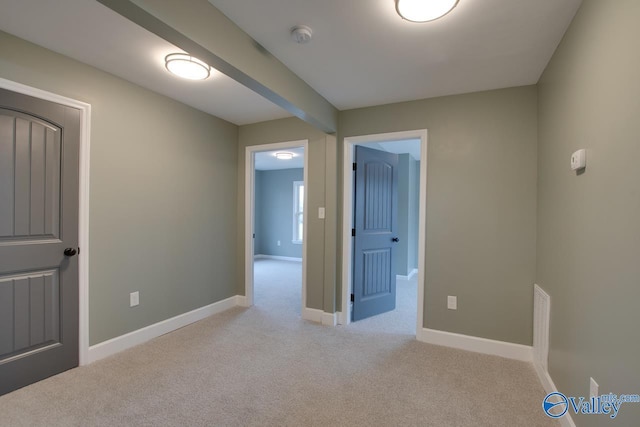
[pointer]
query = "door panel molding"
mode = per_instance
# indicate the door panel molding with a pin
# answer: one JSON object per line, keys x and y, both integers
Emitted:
{"x": 376, "y": 224}
{"x": 347, "y": 215}
{"x": 37, "y": 151}
{"x": 83, "y": 214}
{"x": 38, "y": 324}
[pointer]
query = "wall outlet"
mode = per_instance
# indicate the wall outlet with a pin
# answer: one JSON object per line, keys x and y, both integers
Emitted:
{"x": 278, "y": 242}
{"x": 320, "y": 213}
{"x": 134, "y": 299}
{"x": 452, "y": 302}
{"x": 593, "y": 388}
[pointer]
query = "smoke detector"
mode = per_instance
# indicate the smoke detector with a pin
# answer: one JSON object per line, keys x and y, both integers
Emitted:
{"x": 301, "y": 34}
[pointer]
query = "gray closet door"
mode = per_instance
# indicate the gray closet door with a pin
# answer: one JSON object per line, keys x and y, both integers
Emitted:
{"x": 39, "y": 154}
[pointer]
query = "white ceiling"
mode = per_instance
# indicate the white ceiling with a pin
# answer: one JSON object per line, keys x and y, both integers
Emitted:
{"x": 266, "y": 160}
{"x": 361, "y": 53}
{"x": 91, "y": 33}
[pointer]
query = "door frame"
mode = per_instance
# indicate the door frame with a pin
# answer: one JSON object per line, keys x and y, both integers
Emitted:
{"x": 83, "y": 188}
{"x": 249, "y": 217}
{"x": 347, "y": 216}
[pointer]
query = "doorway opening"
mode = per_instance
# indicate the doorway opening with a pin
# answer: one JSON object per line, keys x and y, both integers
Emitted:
{"x": 276, "y": 227}
{"x": 408, "y": 285}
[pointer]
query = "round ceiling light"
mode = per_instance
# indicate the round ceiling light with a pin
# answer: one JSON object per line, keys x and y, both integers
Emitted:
{"x": 424, "y": 10}
{"x": 187, "y": 67}
{"x": 284, "y": 156}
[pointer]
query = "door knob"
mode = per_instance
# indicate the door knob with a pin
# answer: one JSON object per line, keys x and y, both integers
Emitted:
{"x": 395, "y": 239}
{"x": 69, "y": 252}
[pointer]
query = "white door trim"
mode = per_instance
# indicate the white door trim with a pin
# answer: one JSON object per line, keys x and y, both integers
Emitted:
{"x": 347, "y": 216}
{"x": 249, "y": 189}
{"x": 83, "y": 219}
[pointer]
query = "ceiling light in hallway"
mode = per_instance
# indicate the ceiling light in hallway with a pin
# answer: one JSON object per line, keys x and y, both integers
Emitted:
{"x": 424, "y": 10}
{"x": 187, "y": 67}
{"x": 284, "y": 156}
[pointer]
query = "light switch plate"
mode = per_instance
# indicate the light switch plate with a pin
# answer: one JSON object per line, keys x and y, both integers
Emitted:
{"x": 579, "y": 159}
{"x": 134, "y": 299}
{"x": 321, "y": 213}
{"x": 452, "y": 302}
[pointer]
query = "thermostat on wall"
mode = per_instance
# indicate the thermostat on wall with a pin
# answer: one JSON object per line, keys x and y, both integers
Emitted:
{"x": 579, "y": 159}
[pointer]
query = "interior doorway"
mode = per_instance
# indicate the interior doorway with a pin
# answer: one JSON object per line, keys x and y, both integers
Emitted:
{"x": 83, "y": 213}
{"x": 409, "y": 265}
{"x": 276, "y": 226}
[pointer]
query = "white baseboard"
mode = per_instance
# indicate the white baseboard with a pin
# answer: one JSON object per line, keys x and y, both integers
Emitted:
{"x": 319, "y": 316}
{"x": 476, "y": 344}
{"x": 312, "y": 314}
{"x": 409, "y": 276}
{"x": 550, "y": 387}
{"x": 330, "y": 319}
{"x": 123, "y": 342}
{"x": 342, "y": 318}
{"x": 242, "y": 301}
{"x": 280, "y": 258}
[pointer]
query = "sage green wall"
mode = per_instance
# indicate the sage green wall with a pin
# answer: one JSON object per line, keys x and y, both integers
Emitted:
{"x": 589, "y": 224}
{"x": 408, "y": 197}
{"x": 163, "y": 191}
{"x": 402, "y": 249}
{"x": 321, "y": 192}
{"x": 273, "y": 212}
{"x": 414, "y": 212}
{"x": 481, "y": 205}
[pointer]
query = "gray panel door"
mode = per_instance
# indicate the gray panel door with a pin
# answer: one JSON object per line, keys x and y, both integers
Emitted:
{"x": 39, "y": 154}
{"x": 375, "y": 220}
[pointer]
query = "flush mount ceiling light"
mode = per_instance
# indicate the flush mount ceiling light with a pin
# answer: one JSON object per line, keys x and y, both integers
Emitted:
{"x": 186, "y": 66}
{"x": 424, "y": 10}
{"x": 284, "y": 156}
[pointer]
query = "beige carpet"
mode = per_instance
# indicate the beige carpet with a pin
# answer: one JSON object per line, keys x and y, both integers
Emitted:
{"x": 265, "y": 366}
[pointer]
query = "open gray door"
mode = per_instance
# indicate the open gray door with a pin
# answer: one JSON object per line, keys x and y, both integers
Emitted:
{"x": 39, "y": 154}
{"x": 375, "y": 221}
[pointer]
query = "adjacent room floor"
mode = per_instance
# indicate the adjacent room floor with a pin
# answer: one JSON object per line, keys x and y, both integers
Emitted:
{"x": 266, "y": 366}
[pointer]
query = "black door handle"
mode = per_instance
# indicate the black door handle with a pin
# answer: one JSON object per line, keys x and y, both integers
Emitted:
{"x": 395, "y": 239}
{"x": 70, "y": 252}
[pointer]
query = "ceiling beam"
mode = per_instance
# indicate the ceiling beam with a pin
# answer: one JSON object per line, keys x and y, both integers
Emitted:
{"x": 201, "y": 30}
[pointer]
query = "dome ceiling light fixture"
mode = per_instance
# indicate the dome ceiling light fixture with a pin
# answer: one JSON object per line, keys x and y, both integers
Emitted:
{"x": 284, "y": 156}
{"x": 186, "y": 66}
{"x": 424, "y": 10}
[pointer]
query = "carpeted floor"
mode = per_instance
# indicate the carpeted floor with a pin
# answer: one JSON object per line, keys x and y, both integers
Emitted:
{"x": 265, "y": 366}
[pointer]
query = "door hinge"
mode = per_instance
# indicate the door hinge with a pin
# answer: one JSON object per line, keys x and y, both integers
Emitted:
{"x": 78, "y": 250}
{"x": 352, "y": 297}
{"x": 353, "y": 232}
{"x": 355, "y": 166}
